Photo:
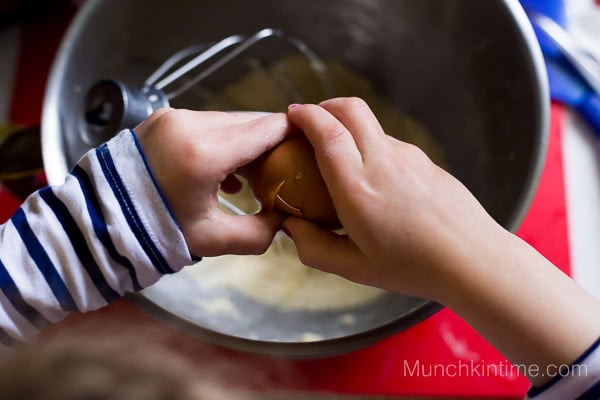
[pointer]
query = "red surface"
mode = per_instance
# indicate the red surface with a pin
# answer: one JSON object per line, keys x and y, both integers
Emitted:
{"x": 442, "y": 341}
{"x": 8, "y": 203}
{"x": 545, "y": 225}
{"x": 40, "y": 38}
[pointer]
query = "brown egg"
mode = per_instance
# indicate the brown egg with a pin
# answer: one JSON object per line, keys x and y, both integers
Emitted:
{"x": 287, "y": 179}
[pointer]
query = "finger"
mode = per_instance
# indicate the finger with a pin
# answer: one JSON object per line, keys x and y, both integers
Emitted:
{"x": 338, "y": 157}
{"x": 358, "y": 118}
{"x": 325, "y": 250}
{"x": 235, "y": 234}
{"x": 224, "y": 119}
{"x": 248, "y": 140}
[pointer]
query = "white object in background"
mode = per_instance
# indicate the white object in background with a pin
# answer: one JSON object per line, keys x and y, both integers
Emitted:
{"x": 581, "y": 150}
{"x": 583, "y": 18}
{"x": 582, "y": 178}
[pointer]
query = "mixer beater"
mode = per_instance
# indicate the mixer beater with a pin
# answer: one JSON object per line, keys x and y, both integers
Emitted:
{"x": 111, "y": 105}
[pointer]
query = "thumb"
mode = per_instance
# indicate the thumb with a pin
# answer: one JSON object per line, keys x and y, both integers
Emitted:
{"x": 326, "y": 250}
{"x": 223, "y": 233}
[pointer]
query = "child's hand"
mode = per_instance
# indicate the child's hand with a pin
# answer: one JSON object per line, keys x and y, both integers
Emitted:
{"x": 192, "y": 154}
{"x": 412, "y": 228}
{"x": 405, "y": 217}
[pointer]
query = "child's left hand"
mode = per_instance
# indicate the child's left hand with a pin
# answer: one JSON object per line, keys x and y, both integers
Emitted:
{"x": 192, "y": 154}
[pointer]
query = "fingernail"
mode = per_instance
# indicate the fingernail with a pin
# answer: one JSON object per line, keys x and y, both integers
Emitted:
{"x": 286, "y": 231}
{"x": 294, "y": 105}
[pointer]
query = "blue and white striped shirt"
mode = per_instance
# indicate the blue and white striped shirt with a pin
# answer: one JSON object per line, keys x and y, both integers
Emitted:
{"x": 78, "y": 246}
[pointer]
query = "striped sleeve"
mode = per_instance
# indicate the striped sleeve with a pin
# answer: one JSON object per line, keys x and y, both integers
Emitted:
{"x": 80, "y": 245}
{"x": 579, "y": 380}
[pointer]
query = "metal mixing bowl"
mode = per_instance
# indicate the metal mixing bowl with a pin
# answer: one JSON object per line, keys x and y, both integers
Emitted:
{"x": 470, "y": 70}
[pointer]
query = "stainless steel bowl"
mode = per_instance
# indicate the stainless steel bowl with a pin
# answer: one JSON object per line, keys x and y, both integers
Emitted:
{"x": 470, "y": 70}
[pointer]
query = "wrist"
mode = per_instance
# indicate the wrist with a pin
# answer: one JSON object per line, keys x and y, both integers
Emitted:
{"x": 463, "y": 260}
{"x": 522, "y": 304}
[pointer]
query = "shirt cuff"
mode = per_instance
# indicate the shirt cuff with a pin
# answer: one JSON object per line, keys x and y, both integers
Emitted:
{"x": 149, "y": 215}
{"x": 580, "y": 379}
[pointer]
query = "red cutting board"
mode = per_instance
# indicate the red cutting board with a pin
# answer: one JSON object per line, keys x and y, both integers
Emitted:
{"x": 440, "y": 345}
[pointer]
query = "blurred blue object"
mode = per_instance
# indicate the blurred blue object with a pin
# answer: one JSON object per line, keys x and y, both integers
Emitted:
{"x": 554, "y": 9}
{"x": 568, "y": 88}
{"x": 568, "y": 81}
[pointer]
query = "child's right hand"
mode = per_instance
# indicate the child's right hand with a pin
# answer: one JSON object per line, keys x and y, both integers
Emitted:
{"x": 413, "y": 228}
{"x": 406, "y": 218}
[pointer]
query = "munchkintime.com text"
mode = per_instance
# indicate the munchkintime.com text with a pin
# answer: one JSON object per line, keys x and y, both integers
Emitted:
{"x": 471, "y": 368}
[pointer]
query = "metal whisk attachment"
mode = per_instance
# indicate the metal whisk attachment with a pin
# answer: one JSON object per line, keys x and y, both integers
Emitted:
{"x": 111, "y": 106}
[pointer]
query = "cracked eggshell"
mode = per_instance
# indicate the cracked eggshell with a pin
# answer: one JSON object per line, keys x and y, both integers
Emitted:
{"x": 287, "y": 179}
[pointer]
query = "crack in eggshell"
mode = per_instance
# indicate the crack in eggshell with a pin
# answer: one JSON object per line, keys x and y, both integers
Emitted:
{"x": 288, "y": 179}
{"x": 284, "y": 206}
